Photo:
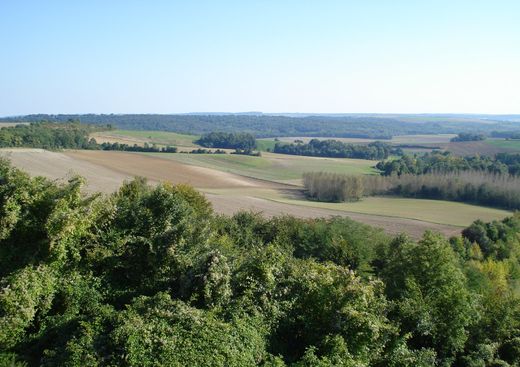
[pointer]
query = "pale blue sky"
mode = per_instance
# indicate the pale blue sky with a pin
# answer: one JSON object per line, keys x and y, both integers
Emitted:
{"x": 271, "y": 56}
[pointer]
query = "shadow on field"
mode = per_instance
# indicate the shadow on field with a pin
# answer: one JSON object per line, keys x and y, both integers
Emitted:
{"x": 293, "y": 193}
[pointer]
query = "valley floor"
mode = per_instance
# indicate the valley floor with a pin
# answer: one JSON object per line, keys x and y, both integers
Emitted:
{"x": 229, "y": 191}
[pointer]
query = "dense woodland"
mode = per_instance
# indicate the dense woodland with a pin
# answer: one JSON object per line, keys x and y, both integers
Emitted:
{"x": 511, "y": 160}
{"x": 337, "y": 149}
{"x": 240, "y": 141}
{"x": 265, "y": 125}
{"x": 476, "y": 187}
{"x": 478, "y": 180}
{"x": 468, "y": 137}
{"x": 150, "y": 276}
{"x": 69, "y": 135}
{"x": 447, "y": 162}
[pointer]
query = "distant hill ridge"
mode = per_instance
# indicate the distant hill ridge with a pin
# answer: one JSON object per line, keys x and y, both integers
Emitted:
{"x": 376, "y": 126}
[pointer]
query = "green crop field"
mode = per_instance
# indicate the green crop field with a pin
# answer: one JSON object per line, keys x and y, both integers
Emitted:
{"x": 265, "y": 144}
{"x": 274, "y": 167}
{"x": 505, "y": 144}
{"x": 148, "y": 136}
{"x": 433, "y": 211}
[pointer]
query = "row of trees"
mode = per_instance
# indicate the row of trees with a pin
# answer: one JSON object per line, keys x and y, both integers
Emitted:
{"x": 334, "y": 148}
{"x": 207, "y": 151}
{"x": 136, "y": 148}
{"x": 447, "y": 162}
{"x": 150, "y": 276}
{"x": 333, "y": 187}
{"x": 506, "y": 134}
{"x": 468, "y": 137}
{"x": 478, "y": 187}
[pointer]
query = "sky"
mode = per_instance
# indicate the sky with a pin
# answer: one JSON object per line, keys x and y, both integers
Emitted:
{"x": 326, "y": 56}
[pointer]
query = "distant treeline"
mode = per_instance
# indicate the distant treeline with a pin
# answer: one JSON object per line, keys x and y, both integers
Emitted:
{"x": 506, "y": 134}
{"x": 477, "y": 187}
{"x": 136, "y": 148}
{"x": 468, "y": 137}
{"x": 263, "y": 125}
{"x": 69, "y": 135}
{"x": 206, "y": 151}
{"x": 446, "y": 162}
{"x": 334, "y": 148}
{"x": 241, "y": 141}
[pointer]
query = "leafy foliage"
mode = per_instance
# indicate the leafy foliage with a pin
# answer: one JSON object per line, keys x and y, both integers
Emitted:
{"x": 151, "y": 276}
{"x": 273, "y": 125}
{"x": 334, "y": 148}
{"x": 240, "y": 141}
{"x": 494, "y": 190}
{"x": 442, "y": 162}
{"x": 50, "y": 135}
{"x": 71, "y": 135}
{"x": 481, "y": 180}
{"x": 137, "y": 148}
{"x": 468, "y": 137}
{"x": 325, "y": 186}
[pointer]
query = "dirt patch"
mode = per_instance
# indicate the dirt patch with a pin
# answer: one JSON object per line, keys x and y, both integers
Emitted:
{"x": 10, "y": 124}
{"x": 58, "y": 166}
{"x": 159, "y": 169}
{"x": 103, "y": 137}
{"x": 465, "y": 148}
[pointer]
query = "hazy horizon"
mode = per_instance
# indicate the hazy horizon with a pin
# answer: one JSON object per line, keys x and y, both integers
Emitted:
{"x": 270, "y": 113}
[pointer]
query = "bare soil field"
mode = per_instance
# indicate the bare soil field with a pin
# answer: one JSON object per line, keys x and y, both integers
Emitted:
{"x": 464, "y": 148}
{"x": 228, "y": 192}
{"x": 9, "y": 124}
{"x": 158, "y": 169}
{"x": 59, "y": 166}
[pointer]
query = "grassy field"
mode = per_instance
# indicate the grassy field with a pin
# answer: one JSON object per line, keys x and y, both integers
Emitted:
{"x": 433, "y": 211}
{"x": 145, "y": 136}
{"x": 272, "y": 167}
{"x": 512, "y": 145}
{"x": 265, "y": 144}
